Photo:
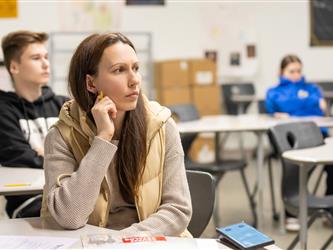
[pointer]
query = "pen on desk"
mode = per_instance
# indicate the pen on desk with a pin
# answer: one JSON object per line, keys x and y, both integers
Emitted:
{"x": 17, "y": 185}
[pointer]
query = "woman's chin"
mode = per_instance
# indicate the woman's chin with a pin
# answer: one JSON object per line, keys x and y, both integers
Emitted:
{"x": 128, "y": 106}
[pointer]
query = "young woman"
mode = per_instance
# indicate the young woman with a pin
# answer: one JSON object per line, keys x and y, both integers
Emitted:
{"x": 293, "y": 96}
{"x": 114, "y": 159}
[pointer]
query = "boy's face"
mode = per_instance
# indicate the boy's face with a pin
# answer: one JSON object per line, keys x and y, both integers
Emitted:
{"x": 33, "y": 67}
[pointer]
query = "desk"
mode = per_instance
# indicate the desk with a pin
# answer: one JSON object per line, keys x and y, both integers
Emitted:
{"x": 31, "y": 176}
{"x": 47, "y": 227}
{"x": 259, "y": 124}
{"x": 305, "y": 158}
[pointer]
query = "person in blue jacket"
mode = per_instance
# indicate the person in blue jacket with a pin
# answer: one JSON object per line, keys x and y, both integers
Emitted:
{"x": 294, "y": 96}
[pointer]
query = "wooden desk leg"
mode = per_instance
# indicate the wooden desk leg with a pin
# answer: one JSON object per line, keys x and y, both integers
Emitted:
{"x": 303, "y": 206}
{"x": 260, "y": 178}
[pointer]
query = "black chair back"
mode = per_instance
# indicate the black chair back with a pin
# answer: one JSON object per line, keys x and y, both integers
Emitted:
{"x": 287, "y": 136}
{"x": 184, "y": 113}
{"x": 325, "y": 86}
{"x": 202, "y": 189}
{"x": 229, "y": 90}
{"x": 262, "y": 107}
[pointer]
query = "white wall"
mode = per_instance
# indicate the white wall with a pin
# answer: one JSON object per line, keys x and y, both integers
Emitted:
{"x": 276, "y": 27}
{"x": 186, "y": 29}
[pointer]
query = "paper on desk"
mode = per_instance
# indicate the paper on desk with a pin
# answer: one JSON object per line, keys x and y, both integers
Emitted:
{"x": 108, "y": 241}
{"x": 35, "y": 177}
{"x": 35, "y": 242}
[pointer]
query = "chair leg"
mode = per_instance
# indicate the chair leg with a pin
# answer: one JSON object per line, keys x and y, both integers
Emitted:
{"x": 330, "y": 239}
{"x": 327, "y": 243}
{"x": 255, "y": 190}
{"x": 270, "y": 175}
{"x": 315, "y": 189}
{"x": 313, "y": 217}
{"x": 24, "y": 205}
{"x": 252, "y": 204}
{"x": 216, "y": 213}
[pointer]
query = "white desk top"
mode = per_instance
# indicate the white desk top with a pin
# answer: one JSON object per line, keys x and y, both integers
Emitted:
{"x": 246, "y": 122}
{"x": 227, "y": 123}
{"x": 47, "y": 227}
{"x": 316, "y": 155}
{"x": 21, "y": 180}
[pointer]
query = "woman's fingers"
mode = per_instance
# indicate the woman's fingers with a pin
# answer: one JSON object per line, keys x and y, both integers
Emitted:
{"x": 107, "y": 105}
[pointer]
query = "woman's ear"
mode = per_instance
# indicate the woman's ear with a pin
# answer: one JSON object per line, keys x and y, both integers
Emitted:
{"x": 90, "y": 85}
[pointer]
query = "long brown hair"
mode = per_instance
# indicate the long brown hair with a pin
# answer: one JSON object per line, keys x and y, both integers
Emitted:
{"x": 132, "y": 149}
{"x": 287, "y": 60}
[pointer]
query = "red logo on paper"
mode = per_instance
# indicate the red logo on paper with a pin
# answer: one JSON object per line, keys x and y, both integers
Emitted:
{"x": 135, "y": 239}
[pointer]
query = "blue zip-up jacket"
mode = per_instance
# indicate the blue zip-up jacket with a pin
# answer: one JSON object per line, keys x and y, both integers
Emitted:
{"x": 295, "y": 98}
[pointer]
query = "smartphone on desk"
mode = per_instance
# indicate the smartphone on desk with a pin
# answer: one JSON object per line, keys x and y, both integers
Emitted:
{"x": 244, "y": 236}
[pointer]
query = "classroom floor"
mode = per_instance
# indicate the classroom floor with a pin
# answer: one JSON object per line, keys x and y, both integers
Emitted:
{"x": 233, "y": 209}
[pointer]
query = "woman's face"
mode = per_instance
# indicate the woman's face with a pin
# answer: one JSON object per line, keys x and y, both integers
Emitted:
{"x": 293, "y": 71}
{"x": 118, "y": 76}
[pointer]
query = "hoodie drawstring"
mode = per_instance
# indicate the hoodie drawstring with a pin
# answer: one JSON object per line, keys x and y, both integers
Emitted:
{"x": 44, "y": 114}
{"x": 25, "y": 118}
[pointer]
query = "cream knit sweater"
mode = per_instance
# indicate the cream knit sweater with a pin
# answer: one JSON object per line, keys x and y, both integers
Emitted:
{"x": 71, "y": 204}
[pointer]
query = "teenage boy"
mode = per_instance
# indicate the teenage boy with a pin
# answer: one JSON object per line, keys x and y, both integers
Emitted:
{"x": 26, "y": 114}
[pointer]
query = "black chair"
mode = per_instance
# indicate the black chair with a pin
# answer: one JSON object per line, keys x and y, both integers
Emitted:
{"x": 202, "y": 189}
{"x": 188, "y": 112}
{"x": 262, "y": 107}
{"x": 232, "y": 107}
{"x": 299, "y": 135}
{"x": 325, "y": 85}
{"x": 273, "y": 155}
{"x": 232, "y": 89}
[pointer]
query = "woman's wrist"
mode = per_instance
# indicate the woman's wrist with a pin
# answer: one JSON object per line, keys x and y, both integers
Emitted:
{"x": 105, "y": 136}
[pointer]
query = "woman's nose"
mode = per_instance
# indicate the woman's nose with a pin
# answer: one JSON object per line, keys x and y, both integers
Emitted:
{"x": 135, "y": 79}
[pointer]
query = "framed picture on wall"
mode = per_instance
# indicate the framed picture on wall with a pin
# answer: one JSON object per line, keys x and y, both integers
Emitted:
{"x": 321, "y": 22}
{"x": 251, "y": 51}
{"x": 145, "y": 2}
{"x": 211, "y": 55}
{"x": 235, "y": 59}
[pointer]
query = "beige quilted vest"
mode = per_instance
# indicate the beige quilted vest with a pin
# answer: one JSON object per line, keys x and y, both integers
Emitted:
{"x": 78, "y": 133}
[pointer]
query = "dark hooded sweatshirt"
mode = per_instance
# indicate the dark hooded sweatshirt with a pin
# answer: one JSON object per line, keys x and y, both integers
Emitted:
{"x": 23, "y": 127}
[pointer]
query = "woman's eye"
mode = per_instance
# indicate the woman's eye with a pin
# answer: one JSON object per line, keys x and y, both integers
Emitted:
{"x": 136, "y": 68}
{"x": 118, "y": 70}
